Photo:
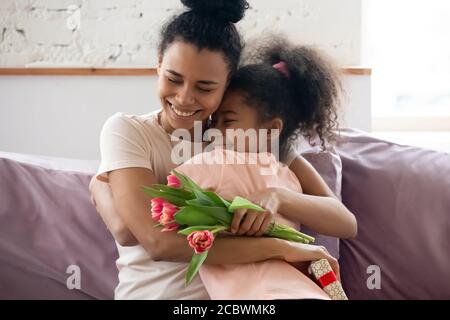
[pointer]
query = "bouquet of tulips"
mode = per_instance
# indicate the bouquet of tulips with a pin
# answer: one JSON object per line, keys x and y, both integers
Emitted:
{"x": 199, "y": 214}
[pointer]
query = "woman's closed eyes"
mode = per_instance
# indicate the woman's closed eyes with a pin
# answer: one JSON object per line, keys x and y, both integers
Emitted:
{"x": 180, "y": 82}
{"x": 175, "y": 81}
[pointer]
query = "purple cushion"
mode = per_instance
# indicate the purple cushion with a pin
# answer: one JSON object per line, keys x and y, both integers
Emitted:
{"x": 47, "y": 223}
{"x": 328, "y": 165}
{"x": 55, "y": 163}
{"x": 401, "y": 198}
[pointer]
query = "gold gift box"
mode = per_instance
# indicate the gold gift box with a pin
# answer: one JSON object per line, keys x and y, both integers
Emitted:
{"x": 321, "y": 269}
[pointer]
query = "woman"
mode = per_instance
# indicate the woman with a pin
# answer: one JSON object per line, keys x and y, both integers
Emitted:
{"x": 199, "y": 51}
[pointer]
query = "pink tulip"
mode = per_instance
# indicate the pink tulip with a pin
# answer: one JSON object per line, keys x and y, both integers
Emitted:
{"x": 157, "y": 207}
{"x": 201, "y": 240}
{"x": 167, "y": 217}
{"x": 172, "y": 181}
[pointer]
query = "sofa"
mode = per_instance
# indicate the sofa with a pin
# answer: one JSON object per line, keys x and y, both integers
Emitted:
{"x": 400, "y": 195}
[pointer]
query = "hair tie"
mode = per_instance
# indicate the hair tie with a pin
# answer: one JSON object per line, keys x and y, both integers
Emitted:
{"x": 281, "y": 67}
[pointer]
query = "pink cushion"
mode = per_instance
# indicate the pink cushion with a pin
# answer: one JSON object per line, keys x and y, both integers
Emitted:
{"x": 401, "y": 198}
{"x": 328, "y": 165}
{"x": 47, "y": 223}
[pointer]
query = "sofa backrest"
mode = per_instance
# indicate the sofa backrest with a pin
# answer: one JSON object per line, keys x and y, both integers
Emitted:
{"x": 51, "y": 237}
{"x": 401, "y": 198}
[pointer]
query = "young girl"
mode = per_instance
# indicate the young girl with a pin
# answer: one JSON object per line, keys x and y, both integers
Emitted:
{"x": 295, "y": 91}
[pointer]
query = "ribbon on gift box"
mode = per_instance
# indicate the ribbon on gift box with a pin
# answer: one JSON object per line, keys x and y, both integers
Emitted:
{"x": 327, "y": 279}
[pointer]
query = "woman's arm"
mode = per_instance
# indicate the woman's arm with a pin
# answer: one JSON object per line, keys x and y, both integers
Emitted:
{"x": 101, "y": 197}
{"x": 133, "y": 207}
{"x": 318, "y": 208}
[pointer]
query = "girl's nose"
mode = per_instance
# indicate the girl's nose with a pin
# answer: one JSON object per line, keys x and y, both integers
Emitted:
{"x": 185, "y": 97}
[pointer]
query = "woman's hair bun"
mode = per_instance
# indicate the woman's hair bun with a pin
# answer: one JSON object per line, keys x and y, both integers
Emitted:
{"x": 228, "y": 10}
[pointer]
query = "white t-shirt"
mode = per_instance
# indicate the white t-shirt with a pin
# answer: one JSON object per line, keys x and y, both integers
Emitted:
{"x": 140, "y": 141}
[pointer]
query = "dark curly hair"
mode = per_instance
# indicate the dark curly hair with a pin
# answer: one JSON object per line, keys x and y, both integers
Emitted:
{"x": 307, "y": 100}
{"x": 208, "y": 24}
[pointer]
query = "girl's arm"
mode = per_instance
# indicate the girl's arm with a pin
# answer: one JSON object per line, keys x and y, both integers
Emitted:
{"x": 133, "y": 207}
{"x": 318, "y": 208}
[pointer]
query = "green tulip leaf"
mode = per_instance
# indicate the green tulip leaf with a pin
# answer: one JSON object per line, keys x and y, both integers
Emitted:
{"x": 218, "y": 200}
{"x": 153, "y": 193}
{"x": 195, "y": 264}
{"x": 191, "y": 216}
{"x": 189, "y": 184}
{"x": 181, "y": 193}
{"x": 241, "y": 203}
{"x": 220, "y": 214}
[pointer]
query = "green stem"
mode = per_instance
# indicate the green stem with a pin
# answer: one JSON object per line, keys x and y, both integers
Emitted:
{"x": 218, "y": 229}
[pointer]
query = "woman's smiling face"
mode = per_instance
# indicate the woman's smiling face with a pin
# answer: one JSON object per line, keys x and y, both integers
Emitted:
{"x": 191, "y": 84}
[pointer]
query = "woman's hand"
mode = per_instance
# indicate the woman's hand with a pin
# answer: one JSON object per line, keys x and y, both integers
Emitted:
{"x": 324, "y": 254}
{"x": 101, "y": 197}
{"x": 298, "y": 253}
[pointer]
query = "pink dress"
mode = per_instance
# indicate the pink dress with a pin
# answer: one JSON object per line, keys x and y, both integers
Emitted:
{"x": 233, "y": 174}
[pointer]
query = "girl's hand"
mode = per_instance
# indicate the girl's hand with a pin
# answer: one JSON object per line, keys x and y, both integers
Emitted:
{"x": 254, "y": 223}
{"x": 250, "y": 222}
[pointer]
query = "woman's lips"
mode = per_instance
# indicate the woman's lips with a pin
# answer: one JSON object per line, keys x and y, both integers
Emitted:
{"x": 180, "y": 113}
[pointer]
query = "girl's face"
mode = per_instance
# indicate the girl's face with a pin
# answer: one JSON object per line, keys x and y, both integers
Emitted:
{"x": 191, "y": 84}
{"x": 234, "y": 113}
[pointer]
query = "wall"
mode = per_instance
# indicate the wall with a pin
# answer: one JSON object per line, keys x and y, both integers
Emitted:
{"x": 62, "y": 116}
{"x": 117, "y": 33}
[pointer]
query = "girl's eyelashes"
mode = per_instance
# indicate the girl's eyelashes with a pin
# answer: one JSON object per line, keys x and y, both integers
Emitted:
{"x": 228, "y": 122}
{"x": 205, "y": 90}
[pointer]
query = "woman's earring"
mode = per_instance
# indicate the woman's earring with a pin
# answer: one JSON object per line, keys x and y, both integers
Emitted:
{"x": 209, "y": 122}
